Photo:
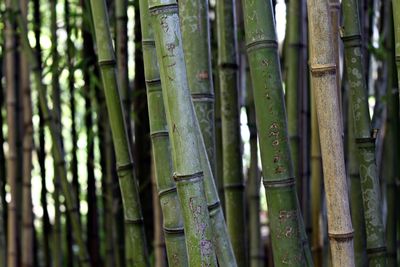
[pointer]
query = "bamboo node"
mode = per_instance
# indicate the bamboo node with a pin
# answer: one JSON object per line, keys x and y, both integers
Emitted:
{"x": 238, "y": 186}
{"x": 174, "y": 231}
{"x": 341, "y": 237}
{"x": 280, "y": 183}
{"x": 158, "y": 134}
{"x": 197, "y": 97}
{"x": 321, "y": 69}
{"x": 126, "y": 166}
{"x": 148, "y": 42}
{"x": 187, "y": 177}
{"x": 261, "y": 44}
{"x": 398, "y": 59}
{"x": 106, "y": 62}
{"x": 353, "y": 40}
{"x": 134, "y": 221}
{"x": 155, "y": 10}
{"x": 377, "y": 250}
{"x": 214, "y": 206}
{"x": 152, "y": 83}
{"x": 167, "y": 191}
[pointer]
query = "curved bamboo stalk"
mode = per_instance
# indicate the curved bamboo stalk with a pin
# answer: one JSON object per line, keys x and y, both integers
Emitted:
{"x": 134, "y": 227}
{"x": 183, "y": 133}
{"x": 58, "y": 152}
{"x": 196, "y": 46}
{"x": 27, "y": 249}
{"x": 287, "y": 228}
{"x": 396, "y": 20}
{"x": 324, "y": 84}
{"x": 172, "y": 215}
{"x": 230, "y": 126}
{"x": 376, "y": 247}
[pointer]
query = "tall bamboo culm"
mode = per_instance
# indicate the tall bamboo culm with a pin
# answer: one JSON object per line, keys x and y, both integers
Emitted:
{"x": 27, "y": 249}
{"x": 396, "y": 21}
{"x": 196, "y": 46}
{"x": 134, "y": 228}
{"x": 58, "y": 152}
{"x": 324, "y": 84}
{"x": 188, "y": 172}
{"x": 365, "y": 141}
{"x": 3, "y": 205}
{"x": 256, "y": 257}
{"x": 390, "y": 169}
{"x": 172, "y": 215}
{"x": 12, "y": 162}
{"x": 230, "y": 126}
{"x": 279, "y": 180}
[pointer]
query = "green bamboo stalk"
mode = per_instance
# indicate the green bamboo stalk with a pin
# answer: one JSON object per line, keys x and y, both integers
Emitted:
{"x": 253, "y": 182}
{"x": 172, "y": 215}
{"x": 376, "y": 247}
{"x": 27, "y": 249}
{"x": 12, "y": 162}
{"x": 42, "y": 153}
{"x": 106, "y": 59}
{"x": 316, "y": 187}
{"x": 287, "y": 228}
{"x": 292, "y": 85}
{"x": 396, "y": 30}
{"x": 58, "y": 152}
{"x": 183, "y": 133}
{"x": 196, "y": 46}
{"x": 356, "y": 204}
{"x": 57, "y": 245}
{"x": 70, "y": 58}
{"x": 230, "y": 126}
{"x": 3, "y": 203}
{"x": 389, "y": 163}
{"x": 324, "y": 84}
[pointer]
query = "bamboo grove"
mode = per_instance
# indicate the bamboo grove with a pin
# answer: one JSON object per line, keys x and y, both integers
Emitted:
{"x": 199, "y": 133}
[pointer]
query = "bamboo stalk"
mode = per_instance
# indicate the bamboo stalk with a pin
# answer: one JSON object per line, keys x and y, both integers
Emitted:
{"x": 27, "y": 249}
{"x": 172, "y": 215}
{"x": 396, "y": 21}
{"x": 134, "y": 227}
{"x": 196, "y": 46}
{"x": 42, "y": 153}
{"x": 389, "y": 163}
{"x": 376, "y": 247}
{"x": 324, "y": 84}
{"x": 183, "y": 133}
{"x": 3, "y": 177}
{"x": 58, "y": 152}
{"x": 287, "y": 228}
{"x": 12, "y": 162}
{"x": 56, "y": 98}
{"x": 356, "y": 204}
{"x": 230, "y": 126}
{"x": 253, "y": 182}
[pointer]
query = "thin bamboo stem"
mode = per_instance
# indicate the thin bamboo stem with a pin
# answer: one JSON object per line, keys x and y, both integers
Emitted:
{"x": 365, "y": 141}
{"x": 134, "y": 228}
{"x": 287, "y": 229}
{"x": 27, "y": 249}
{"x": 396, "y": 21}
{"x": 166, "y": 189}
{"x": 324, "y": 85}
{"x": 183, "y": 133}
